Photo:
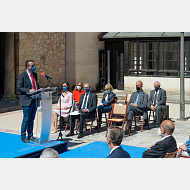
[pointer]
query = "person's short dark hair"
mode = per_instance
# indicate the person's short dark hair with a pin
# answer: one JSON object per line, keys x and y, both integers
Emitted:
{"x": 116, "y": 135}
{"x": 27, "y": 63}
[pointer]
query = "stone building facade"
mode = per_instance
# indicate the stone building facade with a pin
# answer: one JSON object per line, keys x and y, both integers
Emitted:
{"x": 70, "y": 56}
{"x": 82, "y": 58}
{"x": 45, "y": 48}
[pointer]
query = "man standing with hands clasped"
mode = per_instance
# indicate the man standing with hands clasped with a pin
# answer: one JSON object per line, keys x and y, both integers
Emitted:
{"x": 27, "y": 82}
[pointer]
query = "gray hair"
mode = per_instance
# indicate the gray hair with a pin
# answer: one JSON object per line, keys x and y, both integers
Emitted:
{"x": 116, "y": 135}
{"x": 49, "y": 153}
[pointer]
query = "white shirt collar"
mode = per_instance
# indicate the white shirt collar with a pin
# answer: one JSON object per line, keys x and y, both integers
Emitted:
{"x": 114, "y": 149}
{"x": 165, "y": 137}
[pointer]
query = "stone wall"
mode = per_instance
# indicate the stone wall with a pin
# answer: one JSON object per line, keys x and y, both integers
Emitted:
{"x": 171, "y": 85}
{"x": 82, "y": 58}
{"x": 47, "y": 49}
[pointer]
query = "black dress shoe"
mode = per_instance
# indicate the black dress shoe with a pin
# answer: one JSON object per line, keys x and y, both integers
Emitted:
{"x": 80, "y": 135}
{"x": 31, "y": 139}
{"x": 25, "y": 140}
{"x": 70, "y": 134}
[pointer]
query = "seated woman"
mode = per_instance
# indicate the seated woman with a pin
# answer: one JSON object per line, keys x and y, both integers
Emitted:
{"x": 66, "y": 103}
{"x": 78, "y": 90}
{"x": 107, "y": 100}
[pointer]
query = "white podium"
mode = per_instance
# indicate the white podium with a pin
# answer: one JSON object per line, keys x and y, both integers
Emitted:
{"x": 44, "y": 112}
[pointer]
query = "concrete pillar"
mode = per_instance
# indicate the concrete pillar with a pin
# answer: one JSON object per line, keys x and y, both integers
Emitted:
{"x": 108, "y": 68}
{"x": 9, "y": 82}
{"x": 182, "y": 98}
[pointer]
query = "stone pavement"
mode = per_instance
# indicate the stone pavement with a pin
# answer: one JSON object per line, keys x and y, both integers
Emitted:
{"x": 11, "y": 122}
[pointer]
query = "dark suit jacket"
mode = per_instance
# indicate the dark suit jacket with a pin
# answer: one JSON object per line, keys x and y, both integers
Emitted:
{"x": 91, "y": 104}
{"x": 142, "y": 100}
{"x": 23, "y": 86}
{"x": 119, "y": 153}
{"x": 161, "y": 99}
{"x": 160, "y": 149}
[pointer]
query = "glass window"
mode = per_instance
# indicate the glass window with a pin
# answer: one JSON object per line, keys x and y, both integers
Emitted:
{"x": 168, "y": 58}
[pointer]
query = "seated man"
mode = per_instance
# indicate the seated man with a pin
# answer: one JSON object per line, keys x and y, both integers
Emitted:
{"x": 166, "y": 145}
{"x": 138, "y": 103}
{"x": 184, "y": 148}
{"x": 157, "y": 101}
{"x": 114, "y": 139}
{"x": 87, "y": 107}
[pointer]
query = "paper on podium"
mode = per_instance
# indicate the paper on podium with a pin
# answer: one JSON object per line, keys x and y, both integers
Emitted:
{"x": 74, "y": 113}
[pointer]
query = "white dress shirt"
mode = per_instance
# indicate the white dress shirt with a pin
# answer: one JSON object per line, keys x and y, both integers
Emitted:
{"x": 156, "y": 97}
{"x": 113, "y": 149}
{"x": 86, "y": 100}
{"x": 29, "y": 75}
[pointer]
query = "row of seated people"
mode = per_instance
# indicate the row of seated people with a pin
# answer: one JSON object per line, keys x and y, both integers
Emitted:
{"x": 137, "y": 104}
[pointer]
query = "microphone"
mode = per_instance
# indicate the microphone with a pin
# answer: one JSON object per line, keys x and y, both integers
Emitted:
{"x": 43, "y": 74}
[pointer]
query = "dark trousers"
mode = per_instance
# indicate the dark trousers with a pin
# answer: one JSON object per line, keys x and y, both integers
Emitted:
{"x": 103, "y": 109}
{"x": 29, "y": 113}
{"x": 158, "y": 112}
{"x": 81, "y": 118}
{"x": 131, "y": 111}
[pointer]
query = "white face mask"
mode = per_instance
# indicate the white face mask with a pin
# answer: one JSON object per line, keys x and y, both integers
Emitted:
{"x": 78, "y": 87}
{"x": 159, "y": 132}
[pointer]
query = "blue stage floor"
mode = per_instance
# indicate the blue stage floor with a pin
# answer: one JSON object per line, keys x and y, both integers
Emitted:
{"x": 11, "y": 146}
{"x": 100, "y": 150}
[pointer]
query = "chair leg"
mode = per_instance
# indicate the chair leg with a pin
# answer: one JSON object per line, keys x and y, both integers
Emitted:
{"x": 90, "y": 128}
{"x": 77, "y": 127}
{"x": 135, "y": 121}
{"x": 148, "y": 120}
{"x": 108, "y": 127}
{"x": 142, "y": 125}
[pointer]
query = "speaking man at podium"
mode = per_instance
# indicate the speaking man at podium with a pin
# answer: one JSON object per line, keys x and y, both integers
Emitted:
{"x": 27, "y": 82}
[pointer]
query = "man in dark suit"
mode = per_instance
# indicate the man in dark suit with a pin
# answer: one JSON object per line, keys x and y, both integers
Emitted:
{"x": 166, "y": 145}
{"x": 157, "y": 101}
{"x": 27, "y": 82}
{"x": 114, "y": 139}
{"x": 138, "y": 103}
{"x": 87, "y": 109}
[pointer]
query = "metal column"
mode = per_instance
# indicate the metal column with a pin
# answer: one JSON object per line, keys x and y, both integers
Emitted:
{"x": 182, "y": 98}
{"x": 108, "y": 68}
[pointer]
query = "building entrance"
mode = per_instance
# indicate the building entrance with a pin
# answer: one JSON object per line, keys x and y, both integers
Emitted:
{"x": 2, "y": 59}
{"x": 111, "y": 69}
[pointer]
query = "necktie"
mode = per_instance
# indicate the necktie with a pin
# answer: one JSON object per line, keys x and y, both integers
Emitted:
{"x": 137, "y": 98}
{"x": 33, "y": 82}
{"x": 85, "y": 101}
{"x": 155, "y": 98}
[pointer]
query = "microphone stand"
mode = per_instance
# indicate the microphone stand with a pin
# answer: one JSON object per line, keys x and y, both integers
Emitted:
{"x": 60, "y": 94}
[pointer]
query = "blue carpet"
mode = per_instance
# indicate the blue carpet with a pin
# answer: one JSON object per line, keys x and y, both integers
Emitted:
{"x": 11, "y": 146}
{"x": 100, "y": 150}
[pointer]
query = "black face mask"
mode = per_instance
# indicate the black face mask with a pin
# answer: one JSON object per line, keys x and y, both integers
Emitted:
{"x": 137, "y": 88}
